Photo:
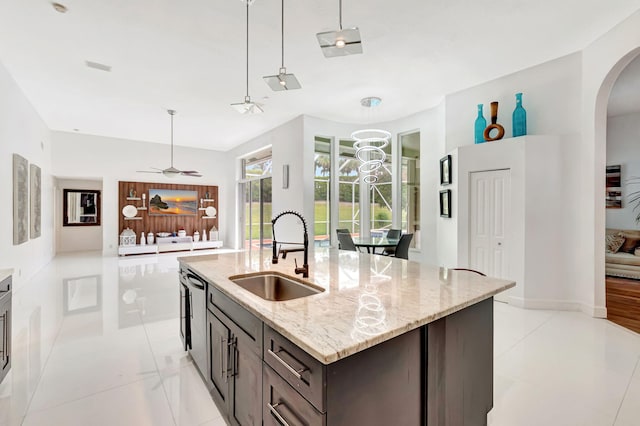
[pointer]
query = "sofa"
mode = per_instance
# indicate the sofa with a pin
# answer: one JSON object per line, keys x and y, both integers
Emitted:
{"x": 625, "y": 260}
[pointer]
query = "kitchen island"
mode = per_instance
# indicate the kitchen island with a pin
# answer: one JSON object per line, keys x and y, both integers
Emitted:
{"x": 383, "y": 341}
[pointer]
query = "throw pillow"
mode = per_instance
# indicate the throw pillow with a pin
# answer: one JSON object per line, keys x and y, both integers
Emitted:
{"x": 630, "y": 244}
{"x": 614, "y": 242}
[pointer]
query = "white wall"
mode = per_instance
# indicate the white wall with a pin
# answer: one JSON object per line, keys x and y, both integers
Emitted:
{"x": 623, "y": 148}
{"x": 86, "y": 157}
{"x": 76, "y": 238}
{"x": 23, "y": 132}
{"x": 551, "y": 97}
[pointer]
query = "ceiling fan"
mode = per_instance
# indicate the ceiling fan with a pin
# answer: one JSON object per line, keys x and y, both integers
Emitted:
{"x": 172, "y": 172}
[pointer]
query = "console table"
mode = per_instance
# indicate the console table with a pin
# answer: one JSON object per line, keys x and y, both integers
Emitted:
{"x": 165, "y": 244}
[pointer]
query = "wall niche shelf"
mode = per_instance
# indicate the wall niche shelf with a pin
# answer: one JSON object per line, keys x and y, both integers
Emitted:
{"x": 147, "y": 222}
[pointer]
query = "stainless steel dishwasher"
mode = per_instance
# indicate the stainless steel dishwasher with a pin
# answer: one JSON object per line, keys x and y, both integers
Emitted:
{"x": 196, "y": 317}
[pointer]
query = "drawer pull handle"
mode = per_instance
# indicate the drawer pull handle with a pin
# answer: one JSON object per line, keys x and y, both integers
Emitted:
{"x": 277, "y": 415}
{"x": 286, "y": 365}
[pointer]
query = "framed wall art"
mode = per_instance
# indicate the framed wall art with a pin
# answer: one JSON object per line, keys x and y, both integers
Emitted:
{"x": 445, "y": 170}
{"x": 173, "y": 202}
{"x": 20, "y": 199}
{"x": 613, "y": 197}
{"x": 445, "y": 203}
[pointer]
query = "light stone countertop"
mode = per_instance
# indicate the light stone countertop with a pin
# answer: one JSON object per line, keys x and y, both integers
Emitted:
{"x": 4, "y": 273}
{"x": 368, "y": 299}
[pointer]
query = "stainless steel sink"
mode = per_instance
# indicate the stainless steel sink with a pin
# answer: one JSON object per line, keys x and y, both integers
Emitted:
{"x": 275, "y": 287}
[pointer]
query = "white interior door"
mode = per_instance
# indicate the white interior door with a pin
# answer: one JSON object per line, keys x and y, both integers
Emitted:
{"x": 489, "y": 227}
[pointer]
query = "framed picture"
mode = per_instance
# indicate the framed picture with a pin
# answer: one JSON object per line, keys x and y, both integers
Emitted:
{"x": 445, "y": 170}
{"x": 614, "y": 188}
{"x": 81, "y": 207}
{"x": 445, "y": 203}
{"x": 172, "y": 202}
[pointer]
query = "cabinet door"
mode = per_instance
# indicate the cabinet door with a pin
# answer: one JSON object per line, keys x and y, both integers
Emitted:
{"x": 5, "y": 336}
{"x": 247, "y": 384}
{"x": 219, "y": 368}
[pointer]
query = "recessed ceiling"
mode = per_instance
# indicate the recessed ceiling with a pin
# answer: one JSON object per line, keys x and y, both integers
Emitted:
{"x": 190, "y": 56}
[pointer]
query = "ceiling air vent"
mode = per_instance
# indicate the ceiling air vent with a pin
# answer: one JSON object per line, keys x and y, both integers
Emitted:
{"x": 98, "y": 66}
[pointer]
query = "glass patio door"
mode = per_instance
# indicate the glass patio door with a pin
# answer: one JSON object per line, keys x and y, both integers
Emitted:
{"x": 257, "y": 230}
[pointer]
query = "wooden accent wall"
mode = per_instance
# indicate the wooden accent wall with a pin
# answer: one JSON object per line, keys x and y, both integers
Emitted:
{"x": 623, "y": 302}
{"x": 157, "y": 224}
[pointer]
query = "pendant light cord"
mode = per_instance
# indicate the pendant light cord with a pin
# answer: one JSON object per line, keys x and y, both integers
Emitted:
{"x": 282, "y": 20}
{"x": 171, "y": 113}
{"x": 247, "y": 49}
{"x": 340, "y": 15}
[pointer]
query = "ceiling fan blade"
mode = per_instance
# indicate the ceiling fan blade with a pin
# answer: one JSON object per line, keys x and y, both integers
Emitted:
{"x": 146, "y": 171}
{"x": 155, "y": 168}
{"x": 189, "y": 171}
{"x": 192, "y": 174}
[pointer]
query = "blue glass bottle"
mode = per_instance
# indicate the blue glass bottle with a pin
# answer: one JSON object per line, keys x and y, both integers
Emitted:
{"x": 480, "y": 125}
{"x": 519, "y": 118}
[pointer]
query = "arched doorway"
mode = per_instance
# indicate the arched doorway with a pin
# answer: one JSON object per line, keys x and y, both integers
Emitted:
{"x": 622, "y": 266}
{"x": 599, "y": 133}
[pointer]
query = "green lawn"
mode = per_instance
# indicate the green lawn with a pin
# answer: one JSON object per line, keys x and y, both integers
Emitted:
{"x": 321, "y": 213}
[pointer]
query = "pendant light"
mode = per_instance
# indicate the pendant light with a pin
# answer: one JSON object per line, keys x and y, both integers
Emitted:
{"x": 247, "y": 107}
{"x": 369, "y": 145}
{"x": 282, "y": 81}
{"x": 341, "y": 42}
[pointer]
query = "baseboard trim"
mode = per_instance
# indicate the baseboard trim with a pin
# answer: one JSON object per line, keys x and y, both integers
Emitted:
{"x": 558, "y": 305}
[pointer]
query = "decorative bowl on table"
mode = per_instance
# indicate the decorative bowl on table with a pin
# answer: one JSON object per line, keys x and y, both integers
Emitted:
{"x": 163, "y": 234}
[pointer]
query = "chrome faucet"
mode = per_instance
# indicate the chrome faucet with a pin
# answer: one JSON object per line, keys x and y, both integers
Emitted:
{"x": 304, "y": 270}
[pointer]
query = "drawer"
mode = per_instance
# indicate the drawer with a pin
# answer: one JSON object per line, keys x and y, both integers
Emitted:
{"x": 284, "y": 406}
{"x": 242, "y": 319}
{"x": 303, "y": 372}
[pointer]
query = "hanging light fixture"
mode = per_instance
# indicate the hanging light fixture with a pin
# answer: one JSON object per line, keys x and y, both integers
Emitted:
{"x": 341, "y": 42}
{"x": 282, "y": 81}
{"x": 369, "y": 145}
{"x": 247, "y": 107}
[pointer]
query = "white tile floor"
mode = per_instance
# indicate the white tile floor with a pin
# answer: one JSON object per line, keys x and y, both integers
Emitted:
{"x": 96, "y": 343}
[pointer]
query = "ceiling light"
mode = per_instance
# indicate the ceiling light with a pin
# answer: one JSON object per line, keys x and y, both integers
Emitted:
{"x": 369, "y": 145}
{"x": 341, "y": 42}
{"x": 282, "y": 81}
{"x": 59, "y": 7}
{"x": 247, "y": 107}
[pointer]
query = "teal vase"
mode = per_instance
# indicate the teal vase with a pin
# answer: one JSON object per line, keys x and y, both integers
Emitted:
{"x": 479, "y": 126}
{"x": 519, "y": 118}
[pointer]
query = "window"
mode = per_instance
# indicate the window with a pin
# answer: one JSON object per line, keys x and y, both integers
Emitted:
{"x": 410, "y": 186}
{"x": 348, "y": 188}
{"x": 256, "y": 186}
{"x": 322, "y": 199}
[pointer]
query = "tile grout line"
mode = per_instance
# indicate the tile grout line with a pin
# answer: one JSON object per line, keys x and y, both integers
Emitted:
{"x": 90, "y": 395}
{"x": 526, "y": 335}
{"x": 44, "y": 366}
{"x": 155, "y": 362}
{"x": 626, "y": 391}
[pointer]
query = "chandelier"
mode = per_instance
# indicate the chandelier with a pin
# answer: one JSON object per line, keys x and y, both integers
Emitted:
{"x": 369, "y": 145}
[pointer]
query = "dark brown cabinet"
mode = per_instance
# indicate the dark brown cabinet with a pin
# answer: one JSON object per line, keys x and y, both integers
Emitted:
{"x": 235, "y": 363}
{"x": 5, "y": 327}
{"x": 438, "y": 374}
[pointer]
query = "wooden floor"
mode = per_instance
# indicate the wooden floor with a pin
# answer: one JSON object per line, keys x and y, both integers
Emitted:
{"x": 623, "y": 302}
